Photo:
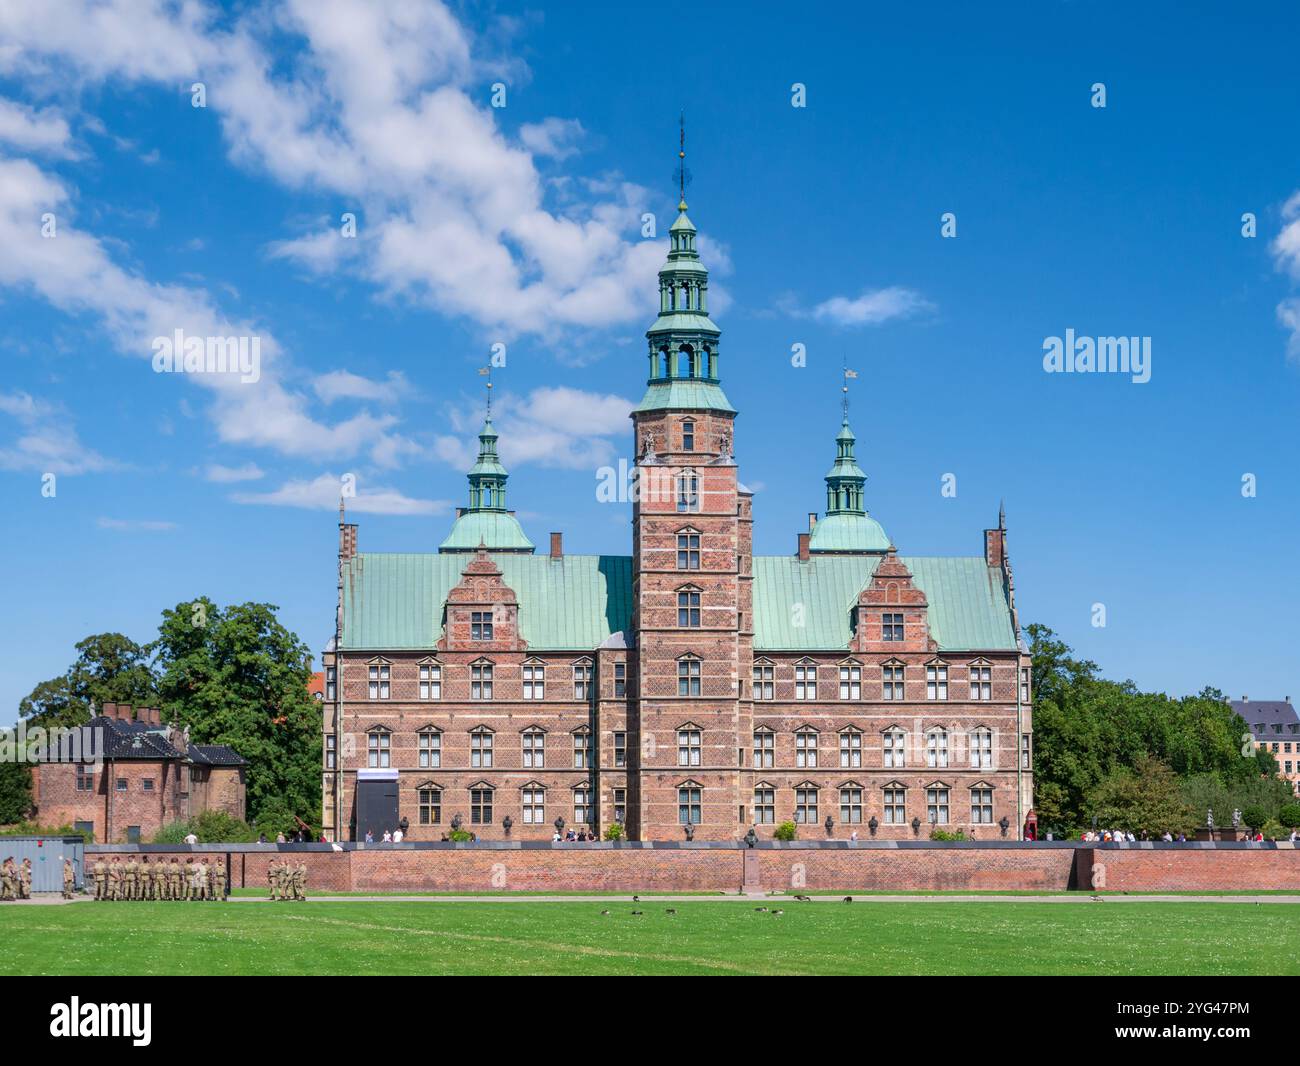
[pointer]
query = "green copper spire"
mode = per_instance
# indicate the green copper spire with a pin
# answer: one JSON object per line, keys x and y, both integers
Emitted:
{"x": 847, "y": 526}
{"x": 683, "y": 340}
{"x": 486, "y": 522}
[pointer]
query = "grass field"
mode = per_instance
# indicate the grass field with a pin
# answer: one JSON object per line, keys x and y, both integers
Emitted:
{"x": 345, "y": 937}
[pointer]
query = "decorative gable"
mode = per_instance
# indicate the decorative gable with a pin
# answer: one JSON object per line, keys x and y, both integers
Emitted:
{"x": 481, "y": 612}
{"x": 892, "y": 613}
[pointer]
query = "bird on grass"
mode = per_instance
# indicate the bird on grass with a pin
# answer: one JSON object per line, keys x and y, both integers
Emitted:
{"x": 1098, "y": 899}
{"x": 604, "y": 912}
{"x": 804, "y": 899}
{"x": 636, "y": 899}
{"x": 777, "y": 913}
{"x": 638, "y": 912}
{"x": 760, "y": 909}
{"x": 848, "y": 899}
{"x": 671, "y": 910}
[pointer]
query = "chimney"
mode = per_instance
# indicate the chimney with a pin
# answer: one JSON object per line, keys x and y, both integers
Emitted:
{"x": 803, "y": 547}
{"x": 812, "y": 521}
{"x": 1245, "y": 699}
{"x": 557, "y": 545}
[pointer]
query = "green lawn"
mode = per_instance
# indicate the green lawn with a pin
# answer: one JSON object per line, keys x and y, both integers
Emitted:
{"x": 347, "y": 937}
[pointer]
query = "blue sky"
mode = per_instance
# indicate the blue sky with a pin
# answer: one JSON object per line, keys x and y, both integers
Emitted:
{"x": 522, "y": 225}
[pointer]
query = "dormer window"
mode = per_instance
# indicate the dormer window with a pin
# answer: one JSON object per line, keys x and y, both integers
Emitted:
{"x": 480, "y": 625}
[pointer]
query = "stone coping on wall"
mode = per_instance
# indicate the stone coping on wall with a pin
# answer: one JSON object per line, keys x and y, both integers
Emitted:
{"x": 703, "y": 845}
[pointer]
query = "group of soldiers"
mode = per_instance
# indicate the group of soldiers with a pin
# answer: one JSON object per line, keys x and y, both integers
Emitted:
{"x": 286, "y": 880}
{"x": 115, "y": 880}
{"x": 16, "y": 879}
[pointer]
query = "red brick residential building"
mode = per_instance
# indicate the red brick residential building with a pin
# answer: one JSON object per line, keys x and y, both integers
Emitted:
{"x": 149, "y": 775}
{"x": 689, "y": 688}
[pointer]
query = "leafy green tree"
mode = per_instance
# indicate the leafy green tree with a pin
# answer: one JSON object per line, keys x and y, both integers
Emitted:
{"x": 1254, "y": 817}
{"x": 1289, "y": 815}
{"x": 785, "y": 831}
{"x": 1146, "y": 798}
{"x": 109, "y": 668}
{"x": 236, "y": 676}
{"x": 15, "y": 792}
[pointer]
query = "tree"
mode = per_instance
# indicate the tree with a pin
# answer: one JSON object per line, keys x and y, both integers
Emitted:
{"x": 1289, "y": 815}
{"x": 1145, "y": 798}
{"x": 1254, "y": 817}
{"x": 238, "y": 677}
{"x": 109, "y": 668}
{"x": 15, "y": 792}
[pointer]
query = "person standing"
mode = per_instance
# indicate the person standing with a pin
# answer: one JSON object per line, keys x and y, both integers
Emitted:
{"x": 114, "y": 878}
{"x": 100, "y": 871}
{"x": 8, "y": 879}
{"x": 146, "y": 878}
{"x": 174, "y": 879}
{"x": 25, "y": 880}
{"x": 130, "y": 878}
{"x": 69, "y": 879}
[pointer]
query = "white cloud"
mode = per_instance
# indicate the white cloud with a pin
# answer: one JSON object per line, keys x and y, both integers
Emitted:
{"x": 135, "y": 525}
{"x": 322, "y": 494}
{"x": 1286, "y": 256}
{"x": 30, "y": 130}
{"x": 224, "y": 475}
{"x": 47, "y": 441}
{"x": 553, "y": 137}
{"x": 872, "y": 307}
{"x": 343, "y": 384}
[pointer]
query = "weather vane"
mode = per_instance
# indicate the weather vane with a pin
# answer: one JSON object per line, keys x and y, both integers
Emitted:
{"x": 682, "y": 176}
{"x": 486, "y": 371}
{"x": 848, "y": 374}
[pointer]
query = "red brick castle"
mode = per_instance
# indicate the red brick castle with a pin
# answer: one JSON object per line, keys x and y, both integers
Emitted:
{"x": 690, "y": 689}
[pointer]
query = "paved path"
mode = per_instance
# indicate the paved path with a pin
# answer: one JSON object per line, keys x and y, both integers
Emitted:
{"x": 789, "y": 901}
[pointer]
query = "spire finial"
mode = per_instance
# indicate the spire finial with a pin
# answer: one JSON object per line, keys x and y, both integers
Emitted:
{"x": 848, "y": 374}
{"x": 1002, "y": 514}
{"x": 682, "y": 176}
{"x": 486, "y": 371}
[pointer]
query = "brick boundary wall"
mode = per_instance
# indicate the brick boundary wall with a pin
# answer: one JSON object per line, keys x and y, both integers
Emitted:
{"x": 838, "y": 866}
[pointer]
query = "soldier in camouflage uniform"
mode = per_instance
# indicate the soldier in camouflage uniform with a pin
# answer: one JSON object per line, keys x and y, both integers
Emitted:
{"x": 272, "y": 874}
{"x": 25, "y": 880}
{"x": 300, "y": 881}
{"x": 8, "y": 880}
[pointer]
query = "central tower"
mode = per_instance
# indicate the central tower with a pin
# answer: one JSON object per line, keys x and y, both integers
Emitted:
{"x": 692, "y": 583}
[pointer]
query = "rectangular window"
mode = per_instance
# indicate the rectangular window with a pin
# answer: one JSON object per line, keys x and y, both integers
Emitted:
{"x": 981, "y": 682}
{"x": 430, "y": 743}
{"x": 688, "y": 677}
{"x": 851, "y": 682}
{"x": 981, "y": 749}
{"x": 893, "y": 742}
{"x": 430, "y": 802}
{"x": 85, "y": 778}
{"x": 480, "y": 806}
{"x": 688, "y": 436}
{"x": 891, "y": 626}
{"x": 851, "y": 806}
{"x": 936, "y": 806}
{"x": 379, "y": 681}
{"x": 688, "y": 610}
{"x": 688, "y": 806}
{"x": 620, "y": 750}
{"x": 146, "y": 784}
{"x": 480, "y": 750}
{"x": 534, "y": 681}
{"x": 1026, "y": 757}
{"x": 891, "y": 682}
{"x": 805, "y": 749}
{"x": 805, "y": 806}
{"x": 764, "y": 749}
{"x": 936, "y": 682}
{"x": 582, "y": 806}
{"x": 582, "y": 751}
{"x": 582, "y": 681}
{"x": 688, "y": 551}
{"x": 430, "y": 681}
{"x": 765, "y": 806}
{"x": 688, "y": 747}
{"x": 620, "y": 680}
{"x": 1024, "y": 684}
{"x": 764, "y": 681}
{"x": 805, "y": 682}
{"x": 534, "y": 800}
{"x": 850, "y": 749}
{"x": 331, "y": 683}
{"x": 936, "y": 748}
{"x": 981, "y": 806}
{"x": 480, "y": 681}
{"x": 895, "y": 806}
{"x": 331, "y": 752}
{"x": 379, "y": 749}
{"x": 620, "y": 805}
{"x": 480, "y": 625}
{"x": 688, "y": 494}
{"x": 534, "y": 750}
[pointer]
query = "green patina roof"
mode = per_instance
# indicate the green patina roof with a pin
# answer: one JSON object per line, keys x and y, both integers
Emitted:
{"x": 683, "y": 322}
{"x": 498, "y": 530}
{"x": 394, "y": 601}
{"x": 845, "y": 532}
{"x": 688, "y": 394}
